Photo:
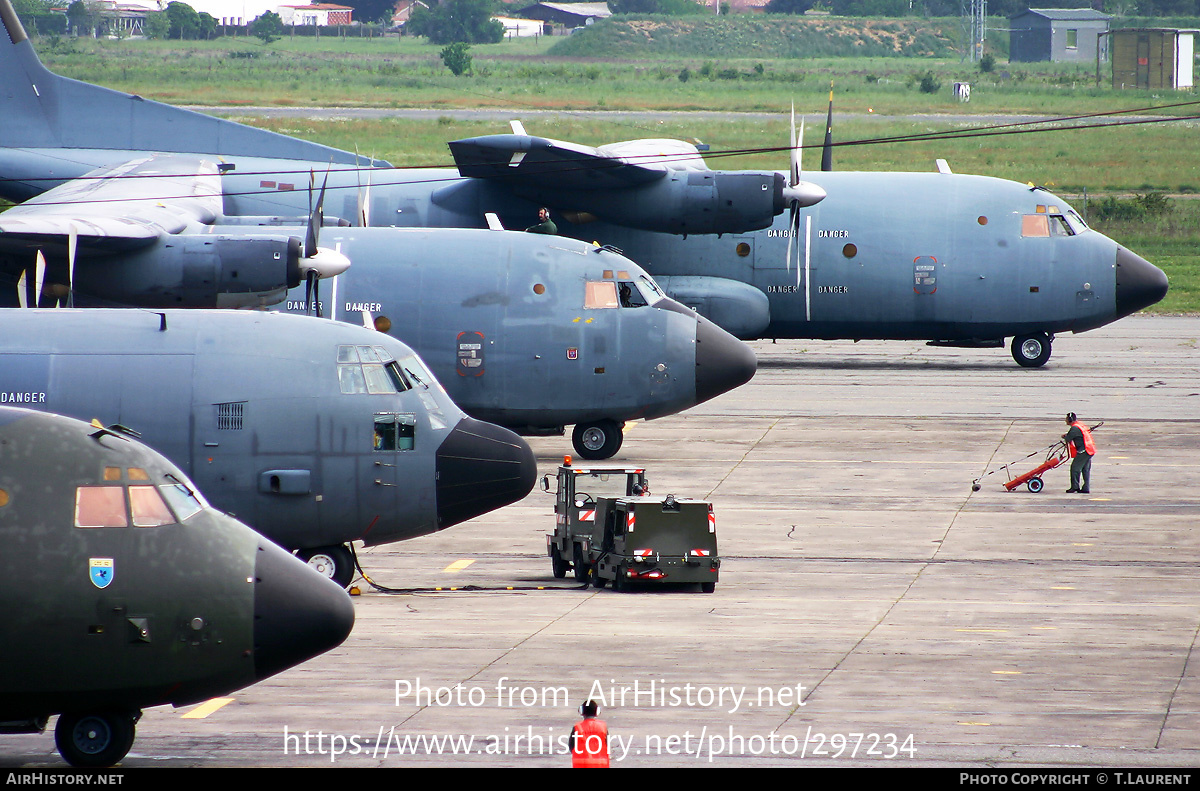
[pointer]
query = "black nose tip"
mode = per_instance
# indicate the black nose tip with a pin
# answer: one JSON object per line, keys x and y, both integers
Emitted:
{"x": 722, "y": 361}
{"x": 481, "y": 467}
{"x": 297, "y": 612}
{"x": 1139, "y": 283}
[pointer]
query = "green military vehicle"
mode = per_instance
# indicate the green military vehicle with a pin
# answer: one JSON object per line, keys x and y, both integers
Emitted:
{"x": 579, "y": 488}
{"x": 654, "y": 540}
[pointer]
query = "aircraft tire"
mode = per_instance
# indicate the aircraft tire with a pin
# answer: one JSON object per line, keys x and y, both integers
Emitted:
{"x": 94, "y": 741}
{"x": 558, "y": 565}
{"x": 1031, "y": 351}
{"x": 598, "y": 440}
{"x": 708, "y": 587}
{"x": 334, "y": 562}
{"x": 581, "y": 568}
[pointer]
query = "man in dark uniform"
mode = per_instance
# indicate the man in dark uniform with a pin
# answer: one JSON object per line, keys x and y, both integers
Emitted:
{"x": 545, "y": 224}
{"x": 1081, "y": 448}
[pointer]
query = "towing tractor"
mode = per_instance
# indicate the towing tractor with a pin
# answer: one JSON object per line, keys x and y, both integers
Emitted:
{"x": 660, "y": 540}
{"x": 579, "y": 488}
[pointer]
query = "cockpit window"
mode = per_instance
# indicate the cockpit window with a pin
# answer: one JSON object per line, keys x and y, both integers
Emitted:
{"x": 100, "y": 506}
{"x": 650, "y": 289}
{"x": 600, "y": 294}
{"x": 185, "y": 502}
{"x": 1035, "y": 225}
{"x": 147, "y": 507}
{"x": 369, "y": 369}
{"x": 630, "y": 296}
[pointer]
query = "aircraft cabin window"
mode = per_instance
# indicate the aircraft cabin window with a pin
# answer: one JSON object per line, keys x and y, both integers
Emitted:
{"x": 100, "y": 506}
{"x": 1076, "y": 222}
{"x": 1059, "y": 226}
{"x": 351, "y": 380}
{"x": 1035, "y": 225}
{"x": 395, "y": 431}
{"x": 148, "y": 508}
{"x": 649, "y": 289}
{"x": 600, "y": 294}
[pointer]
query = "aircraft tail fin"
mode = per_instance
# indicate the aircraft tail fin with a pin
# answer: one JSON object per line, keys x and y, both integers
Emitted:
{"x": 40, "y": 109}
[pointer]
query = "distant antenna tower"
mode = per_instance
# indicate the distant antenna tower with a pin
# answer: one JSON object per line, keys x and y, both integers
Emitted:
{"x": 974, "y": 14}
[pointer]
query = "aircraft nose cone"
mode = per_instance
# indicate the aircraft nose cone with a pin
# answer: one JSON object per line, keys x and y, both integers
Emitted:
{"x": 297, "y": 612}
{"x": 481, "y": 467}
{"x": 722, "y": 361}
{"x": 1139, "y": 282}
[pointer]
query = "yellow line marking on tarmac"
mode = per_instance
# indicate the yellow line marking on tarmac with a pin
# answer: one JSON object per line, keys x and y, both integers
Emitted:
{"x": 1077, "y": 544}
{"x": 1062, "y": 587}
{"x": 1100, "y": 499}
{"x": 458, "y": 565}
{"x": 984, "y": 724}
{"x": 1118, "y": 457}
{"x": 1006, "y": 672}
{"x": 206, "y": 708}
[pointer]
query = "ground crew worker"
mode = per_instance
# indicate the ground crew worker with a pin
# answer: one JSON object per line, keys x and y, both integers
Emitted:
{"x": 589, "y": 740}
{"x": 1081, "y": 449}
{"x": 545, "y": 224}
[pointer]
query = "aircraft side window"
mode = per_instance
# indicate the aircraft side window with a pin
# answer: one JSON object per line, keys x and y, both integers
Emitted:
{"x": 395, "y": 432}
{"x": 369, "y": 354}
{"x": 184, "y": 502}
{"x": 1035, "y": 225}
{"x": 631, "y": 297}
{"x": 100, "y": 506}
{"x": 600, "y": 294}
{"x": 649, "y": 289}
{"x": 1076, "y": 222}
{"x": 1060, "y": 227}
{"x": 147, "y": 507}
{"x": 347, "y": 354}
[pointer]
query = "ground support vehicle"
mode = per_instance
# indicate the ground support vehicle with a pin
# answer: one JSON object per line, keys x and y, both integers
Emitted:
{"x": 654, "y": 540}
{"x": 579, "y": 487}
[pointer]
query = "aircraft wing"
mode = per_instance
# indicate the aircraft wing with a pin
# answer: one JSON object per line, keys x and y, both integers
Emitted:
{"x": 122, "y": 207}
{"x": 554, "y": 164}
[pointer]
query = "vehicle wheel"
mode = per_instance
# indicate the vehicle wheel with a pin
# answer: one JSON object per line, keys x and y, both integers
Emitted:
{"x": 1034, "y": 485}
{"x": 558, "y": 565}
{"x": 334, "y": 562}
{"x": 1031, "y": 351}
{"x": 619, "y": 581}
{"x": 599, "y": 440}
{"x": 708, "y": 587}
{"x": 598, "y": 581}
{"x": 581, "y": 568}
{"x": 94, "y": 741}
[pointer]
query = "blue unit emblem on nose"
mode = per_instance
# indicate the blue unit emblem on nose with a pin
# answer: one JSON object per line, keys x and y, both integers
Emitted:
{"x": 101, "y": 571}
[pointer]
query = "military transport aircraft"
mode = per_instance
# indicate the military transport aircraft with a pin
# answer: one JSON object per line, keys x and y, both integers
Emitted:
{"x": 952, "y": 259}
{"x": 315, "y": 433}
{"x": 154, "y": 597}
{"x": 531, "y": 331}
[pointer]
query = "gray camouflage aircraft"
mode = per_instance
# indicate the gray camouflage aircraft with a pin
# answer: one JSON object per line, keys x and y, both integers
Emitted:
{"x": 156, "y": 597}
{"x": 315, "y": 433}
{"x": 530, "y": 331}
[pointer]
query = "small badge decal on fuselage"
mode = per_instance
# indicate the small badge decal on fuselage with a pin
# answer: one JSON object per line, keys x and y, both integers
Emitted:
{"x": 101, "y": 571}
{"x": 572, "y": 354}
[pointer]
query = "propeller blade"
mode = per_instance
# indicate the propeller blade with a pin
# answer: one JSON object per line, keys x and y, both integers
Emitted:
{"x": 317, "y": 295}
{"x": 827, "y": 148}
{"x": 22, "y": 292}
{"x": 310, "y": 238}
{"x": 72, "y": 246}
{"x": 39, "y": 279}
{"x": 309, "y": 279}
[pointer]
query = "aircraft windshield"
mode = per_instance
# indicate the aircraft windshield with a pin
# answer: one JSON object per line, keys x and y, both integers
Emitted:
{"x": 369, "y": 369}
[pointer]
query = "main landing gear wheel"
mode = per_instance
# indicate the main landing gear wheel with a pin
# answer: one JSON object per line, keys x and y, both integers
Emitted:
{"x": 1034, "y": 485}
{"x": 95, "y": 741}
{"x": 334, "y": 562}
{"x": 1031, "y": 351}
{"x": 599, "y": 440}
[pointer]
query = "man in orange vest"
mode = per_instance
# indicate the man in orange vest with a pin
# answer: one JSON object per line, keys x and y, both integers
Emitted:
{"x": 589, "y": 740}
{"x": 1081, "y": 450}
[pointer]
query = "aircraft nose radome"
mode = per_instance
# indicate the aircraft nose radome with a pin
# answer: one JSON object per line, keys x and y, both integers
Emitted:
{"x": 1139, "y": 282}
{"x": 481, "y": 467}
{"x": 297, "y": 612}
{"x": 722, "y": 361}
